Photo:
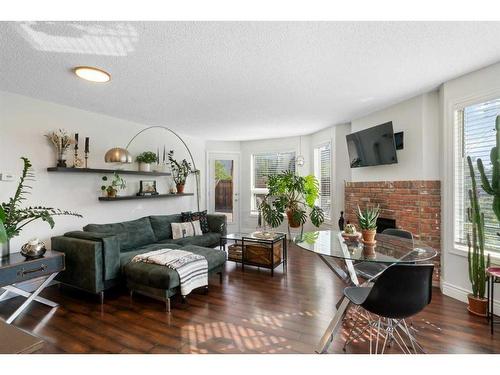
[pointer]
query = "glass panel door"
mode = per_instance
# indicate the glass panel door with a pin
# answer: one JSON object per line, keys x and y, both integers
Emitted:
{"x": 223, "y": 187}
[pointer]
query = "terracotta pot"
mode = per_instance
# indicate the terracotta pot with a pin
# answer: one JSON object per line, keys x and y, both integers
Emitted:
{"x": 291, "y": 222}
{"x": 111, "y": 193}
{"x": 478, "y": 306}
{"x": 369, "y": 235}
{"x": 180, "y": 188}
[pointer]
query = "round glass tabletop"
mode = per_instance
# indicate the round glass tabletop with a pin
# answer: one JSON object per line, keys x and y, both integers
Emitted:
{"x": 388, "y": 249}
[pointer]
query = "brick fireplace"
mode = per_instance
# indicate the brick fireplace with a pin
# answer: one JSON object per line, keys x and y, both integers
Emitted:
{"x": 414, "y": 205}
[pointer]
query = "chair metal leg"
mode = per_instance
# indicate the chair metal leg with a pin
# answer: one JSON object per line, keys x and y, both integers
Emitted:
{"x": 167, "y": 304}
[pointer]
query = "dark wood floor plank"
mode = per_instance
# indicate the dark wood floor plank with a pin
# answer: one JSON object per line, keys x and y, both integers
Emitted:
{"x": 251, "y": 312}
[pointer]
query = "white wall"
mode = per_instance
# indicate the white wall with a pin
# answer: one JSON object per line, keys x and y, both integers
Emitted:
{"x": 471, "y": 88}
{"x": 418, "y": 118}
{"x": 23, "y": 123}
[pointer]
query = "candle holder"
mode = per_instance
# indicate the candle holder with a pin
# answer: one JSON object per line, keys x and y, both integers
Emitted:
{"x": 86, "y": 158}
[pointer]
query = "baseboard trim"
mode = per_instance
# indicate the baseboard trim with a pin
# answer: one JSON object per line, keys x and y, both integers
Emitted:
{"x": 460, "y": 294}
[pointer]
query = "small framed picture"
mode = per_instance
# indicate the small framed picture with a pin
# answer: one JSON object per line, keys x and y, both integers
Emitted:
{"x": 147, "y": 187}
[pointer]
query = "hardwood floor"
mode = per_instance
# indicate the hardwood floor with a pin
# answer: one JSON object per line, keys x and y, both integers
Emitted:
{"x": 249, "y": 313}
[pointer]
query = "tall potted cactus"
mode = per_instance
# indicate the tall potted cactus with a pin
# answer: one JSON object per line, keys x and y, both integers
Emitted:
{"x": 493, "y": 187}
{"x": 477, "y": 263}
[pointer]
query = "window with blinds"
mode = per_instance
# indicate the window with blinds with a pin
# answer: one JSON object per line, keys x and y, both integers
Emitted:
{"x": 264, "y": 165}
{"x": 323, "y": 172}
{"x": 475, "y": 136}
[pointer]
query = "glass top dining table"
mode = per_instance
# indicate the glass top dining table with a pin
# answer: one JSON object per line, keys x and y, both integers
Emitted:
{"x": 387, "y": 249}
{"x": 335, "y": 250}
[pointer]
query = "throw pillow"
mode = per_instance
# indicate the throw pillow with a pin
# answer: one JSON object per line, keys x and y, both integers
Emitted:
{"x": 201, "y": 216}
{"x": 183, "y": 230}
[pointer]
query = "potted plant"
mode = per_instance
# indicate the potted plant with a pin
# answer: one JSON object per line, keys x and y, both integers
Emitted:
{"x": 367, "y": 220}
{"x": 13, "y": 217}
{"x": 111, "y": 190}
{"x": 145, "y": 159}
{"x": 476, "y": 259}
{"x": 180, "y": 171}
{"x": 293, "y": 195}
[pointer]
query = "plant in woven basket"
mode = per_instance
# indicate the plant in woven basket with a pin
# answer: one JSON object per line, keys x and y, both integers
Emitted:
{"x": 476, "y": 258}
{"x": 367, "y": 220}
{"x": 15, "y": 218}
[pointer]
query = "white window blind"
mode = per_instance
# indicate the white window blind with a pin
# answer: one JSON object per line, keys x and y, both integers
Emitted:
{"x": 264, "y": 165}
{"x": 475, "y": 136}
{"x": 323, "y": 172}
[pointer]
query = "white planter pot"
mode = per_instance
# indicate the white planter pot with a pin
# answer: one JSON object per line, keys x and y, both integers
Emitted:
{"x": 145, "y": 167}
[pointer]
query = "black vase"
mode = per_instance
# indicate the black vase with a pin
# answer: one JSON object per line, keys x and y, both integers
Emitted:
{"x": 341, "y": 220}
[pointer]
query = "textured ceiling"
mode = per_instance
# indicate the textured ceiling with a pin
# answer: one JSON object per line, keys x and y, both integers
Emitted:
{"x": 240, "y": 80}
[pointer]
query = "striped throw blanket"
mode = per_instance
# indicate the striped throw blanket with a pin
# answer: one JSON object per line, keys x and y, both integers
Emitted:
{"x": 192, "y": 268}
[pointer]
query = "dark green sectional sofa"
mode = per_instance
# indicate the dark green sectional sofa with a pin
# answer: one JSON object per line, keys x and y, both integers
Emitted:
{"x": 99, "y": 257}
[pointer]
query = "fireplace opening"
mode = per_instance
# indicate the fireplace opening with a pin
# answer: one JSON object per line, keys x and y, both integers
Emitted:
{"x": 384, "y": 223}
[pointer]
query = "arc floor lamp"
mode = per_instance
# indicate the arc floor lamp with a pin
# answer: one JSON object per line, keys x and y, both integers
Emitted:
{"x": 122, "y": 155}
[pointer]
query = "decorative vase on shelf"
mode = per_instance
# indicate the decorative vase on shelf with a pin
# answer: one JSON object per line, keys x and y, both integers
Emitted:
{"x": 180, "y": 188}
{"x": 5, "y": 249}
{"x": 61, "y": 162}
{"x": 145, "y": 167}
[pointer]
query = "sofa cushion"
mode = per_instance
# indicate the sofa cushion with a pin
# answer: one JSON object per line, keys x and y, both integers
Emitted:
{"x": 193, "y": 216}
{"x": 161, "y": 277}
{"x": 132, "y": 234}
{"x": 161, "y": 225}
{"x": 209, "y": 239}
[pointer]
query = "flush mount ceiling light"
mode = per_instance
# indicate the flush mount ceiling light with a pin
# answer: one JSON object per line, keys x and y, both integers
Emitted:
{"x": 92, "y": 74}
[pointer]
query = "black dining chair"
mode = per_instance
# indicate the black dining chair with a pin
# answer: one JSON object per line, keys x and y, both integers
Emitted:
{"x": 370, "y": 270}
{"x": 400, "y": 292}
{"x": 398, "y": 233}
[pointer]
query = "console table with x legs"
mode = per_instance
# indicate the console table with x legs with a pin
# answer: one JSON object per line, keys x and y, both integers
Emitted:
{"x": 15, "y": 269}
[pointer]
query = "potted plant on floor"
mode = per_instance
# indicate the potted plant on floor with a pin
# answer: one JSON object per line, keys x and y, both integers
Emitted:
{"x": 117, "y": 183}
{"x": 180, "y": 171}
{"x": 476, "y": 258}
{"x": 293, "y": 195}
{"x": 145, "y": 159}
{"x": 14, "y": 218}
{"x": 367, "y": 220}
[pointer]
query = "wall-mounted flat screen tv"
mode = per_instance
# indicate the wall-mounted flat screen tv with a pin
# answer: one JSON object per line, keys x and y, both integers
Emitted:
{"x": 372, "y": 146}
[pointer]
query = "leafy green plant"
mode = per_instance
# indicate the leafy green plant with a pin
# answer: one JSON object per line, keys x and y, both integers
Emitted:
{"x": 493, "y": 187}
{"x": 180, "y": 171}
{"x": 476, "y": 259}
{"x": 117, "y": 183}
{"x": 294, "y": 195}
{"x": 367, "y": 218}
{"x": 15, "y": 218}
{"x": 146, "y": 157}
{"x": 3, "y": 232}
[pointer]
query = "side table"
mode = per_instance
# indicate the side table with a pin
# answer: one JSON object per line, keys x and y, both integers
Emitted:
{"x": 247, "y": 240}
{"x": 15, "y": 268}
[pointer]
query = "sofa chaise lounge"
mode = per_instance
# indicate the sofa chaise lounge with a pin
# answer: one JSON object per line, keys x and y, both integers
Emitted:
{"x": 99, "y": 257}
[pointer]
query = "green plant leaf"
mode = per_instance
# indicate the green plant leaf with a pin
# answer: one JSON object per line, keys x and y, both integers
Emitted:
{"x": 317, "y": 216}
